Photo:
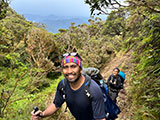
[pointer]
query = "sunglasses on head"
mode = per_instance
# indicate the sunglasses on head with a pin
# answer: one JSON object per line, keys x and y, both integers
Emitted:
{"x": 71, "y": 54}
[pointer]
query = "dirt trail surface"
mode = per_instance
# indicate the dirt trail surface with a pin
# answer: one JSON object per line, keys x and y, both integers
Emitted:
{"x": 121, "y": 61}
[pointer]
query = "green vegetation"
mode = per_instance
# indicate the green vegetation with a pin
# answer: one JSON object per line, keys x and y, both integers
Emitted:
{"x": 30, "y": 57}
{"x": 3, "y": 8}
{"x": 146, "y": 74}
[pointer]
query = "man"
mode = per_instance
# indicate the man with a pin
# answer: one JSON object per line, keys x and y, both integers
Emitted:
{"x": 115, "y": 84}
{"x": 78, "y": 103}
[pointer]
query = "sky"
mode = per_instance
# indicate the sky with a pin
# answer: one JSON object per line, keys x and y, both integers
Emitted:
{"x": 51, "y": 7}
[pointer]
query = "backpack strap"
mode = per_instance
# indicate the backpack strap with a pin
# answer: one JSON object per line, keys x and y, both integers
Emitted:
{"x": 87, "y": 91}
{"x": 62, "y": 88}
{"x": 87, "y": 85}
{"x": 63, "y": 91}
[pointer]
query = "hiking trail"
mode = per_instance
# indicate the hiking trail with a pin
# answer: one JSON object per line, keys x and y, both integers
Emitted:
{"x": 121, "y": 61}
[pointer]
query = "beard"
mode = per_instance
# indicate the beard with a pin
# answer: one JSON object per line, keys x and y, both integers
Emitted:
{"x": 75, "y": 76}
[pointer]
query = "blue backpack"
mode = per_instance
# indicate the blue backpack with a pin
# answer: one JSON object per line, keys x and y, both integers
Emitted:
{"x": 111, "y": 109}
{"x": 122, "y": 75}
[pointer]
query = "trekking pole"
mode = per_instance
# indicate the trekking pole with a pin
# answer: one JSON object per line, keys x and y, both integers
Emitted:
{"x": 35, "y": 109}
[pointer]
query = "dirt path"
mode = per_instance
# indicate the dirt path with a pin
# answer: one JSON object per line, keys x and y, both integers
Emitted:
{"x": 121, "y": 61}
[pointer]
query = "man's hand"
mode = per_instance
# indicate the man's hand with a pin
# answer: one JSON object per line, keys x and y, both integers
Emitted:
{"x": 36, "y": 115}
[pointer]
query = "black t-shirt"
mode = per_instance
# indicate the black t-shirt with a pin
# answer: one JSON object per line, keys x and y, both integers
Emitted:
{"x": 79, "y": 104}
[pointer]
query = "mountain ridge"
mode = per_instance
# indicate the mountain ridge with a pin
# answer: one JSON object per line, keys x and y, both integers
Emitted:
{"x": 54, "y": 22}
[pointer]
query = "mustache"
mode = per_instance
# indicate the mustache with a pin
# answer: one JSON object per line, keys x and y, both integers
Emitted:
{"x": 70, "y": 74}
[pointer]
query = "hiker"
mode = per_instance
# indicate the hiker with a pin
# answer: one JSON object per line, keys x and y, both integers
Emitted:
{"x": 115, "y": 83}
{"x": 74, "y": 93}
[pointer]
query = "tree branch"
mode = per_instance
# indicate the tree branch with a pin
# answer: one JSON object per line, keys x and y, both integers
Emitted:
{"x": 13, "y": 91}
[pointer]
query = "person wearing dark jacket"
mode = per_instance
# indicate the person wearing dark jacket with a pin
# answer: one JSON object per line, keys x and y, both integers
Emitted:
{"x": 115, "y": 84}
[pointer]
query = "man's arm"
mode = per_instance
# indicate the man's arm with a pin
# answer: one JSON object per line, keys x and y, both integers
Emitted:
{"x": 50, "y": 110}
{"x": 108, "y": 81}
{"x": 97, "y": 102}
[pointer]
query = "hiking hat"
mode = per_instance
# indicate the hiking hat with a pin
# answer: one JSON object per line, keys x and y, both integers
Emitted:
{"x": 72, "y": 58}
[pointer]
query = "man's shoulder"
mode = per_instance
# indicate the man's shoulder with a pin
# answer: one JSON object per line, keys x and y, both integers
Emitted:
{"x": 93, "y": 83}
{"x": 94, "y": 88}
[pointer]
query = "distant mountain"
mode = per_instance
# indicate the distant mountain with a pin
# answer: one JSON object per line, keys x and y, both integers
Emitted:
{"x": 53, "y": 22}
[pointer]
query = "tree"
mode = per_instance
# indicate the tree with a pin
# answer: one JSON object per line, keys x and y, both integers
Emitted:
{"x": 41, "y": 49}
{"x": 151, "y": 5}
{"x": 115, "y": 23}
{"x": 103, "y": 5}
{"x": 3, "y": 8}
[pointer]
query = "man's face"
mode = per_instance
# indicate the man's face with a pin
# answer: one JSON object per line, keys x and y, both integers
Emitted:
{"x": 71, "y": 71}
{"x": 115, "y": 72}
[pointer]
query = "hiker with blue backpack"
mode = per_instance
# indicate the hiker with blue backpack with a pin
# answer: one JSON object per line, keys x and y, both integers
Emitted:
{"x": 115, "y": 83}
{"x": 83, "y": 96}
